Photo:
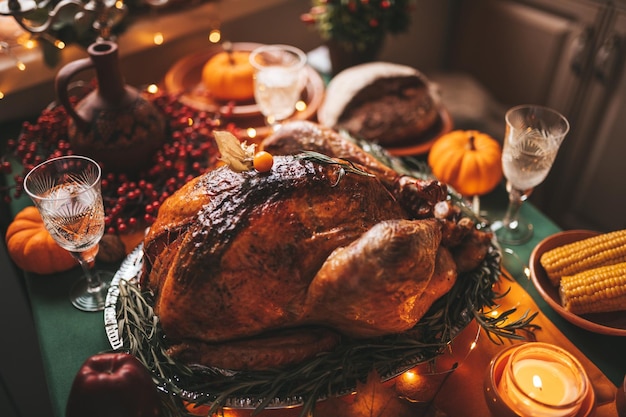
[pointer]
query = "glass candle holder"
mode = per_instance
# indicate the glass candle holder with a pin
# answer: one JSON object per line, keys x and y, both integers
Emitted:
{"x": 538, "y": 379}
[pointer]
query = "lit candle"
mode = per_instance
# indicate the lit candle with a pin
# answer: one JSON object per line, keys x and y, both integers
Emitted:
{"x": 543, "y": 380}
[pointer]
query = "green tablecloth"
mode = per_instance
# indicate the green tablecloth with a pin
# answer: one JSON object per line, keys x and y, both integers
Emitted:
{"x": 68, "y": 336}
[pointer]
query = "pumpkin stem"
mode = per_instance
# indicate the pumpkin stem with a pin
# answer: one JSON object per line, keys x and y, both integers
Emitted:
{"x": 228, "y": 48}
{"x": 472, "y": 142}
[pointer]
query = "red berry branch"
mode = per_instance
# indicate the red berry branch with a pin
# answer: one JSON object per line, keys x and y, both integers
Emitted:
{"x": 189, "y": 151}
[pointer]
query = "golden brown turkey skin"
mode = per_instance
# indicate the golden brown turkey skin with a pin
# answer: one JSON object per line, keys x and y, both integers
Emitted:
{"x": 418, "y": 197}
{"x": 242, "y": 265}
{"x": 378, "y": 284}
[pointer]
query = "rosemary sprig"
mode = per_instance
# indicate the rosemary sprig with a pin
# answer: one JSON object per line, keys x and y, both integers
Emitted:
{"x": 345, "y": 166}
{"x": 499, "y": 327}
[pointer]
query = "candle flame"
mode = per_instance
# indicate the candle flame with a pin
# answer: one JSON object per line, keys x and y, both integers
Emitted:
{"x": 537, "y": 382}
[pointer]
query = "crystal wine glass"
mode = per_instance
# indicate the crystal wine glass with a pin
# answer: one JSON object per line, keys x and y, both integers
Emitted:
{"x": 66, "y": 191}
{"x": 278, "y": 80}
{"x": 532, "y": 139}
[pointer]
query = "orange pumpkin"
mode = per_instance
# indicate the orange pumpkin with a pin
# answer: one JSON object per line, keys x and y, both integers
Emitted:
{"x": 468, "y": 160}
{"x": 32, "y": 248}
{"x": 229, "y": 76}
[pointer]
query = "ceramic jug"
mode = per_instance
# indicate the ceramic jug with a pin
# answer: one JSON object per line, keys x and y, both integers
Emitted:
{"x": 114, "y": 124}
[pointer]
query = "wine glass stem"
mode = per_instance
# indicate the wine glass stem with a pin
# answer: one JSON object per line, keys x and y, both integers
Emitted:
{"x": 516, "y": 199}
{"x": 93, "y": 280}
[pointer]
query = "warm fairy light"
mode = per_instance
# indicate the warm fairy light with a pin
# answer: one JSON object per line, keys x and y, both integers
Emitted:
{"x": 30, "y": 44}
{"x": 215, "y": 35}
{"x": 251, "y": 132}
{"x": 152, "y": 89}
{"x": 59, "y": 44}
{"x": 1, "y": 95}
{"x": 119, "y": 4}
{"x": 189, "y": 121}
{"x": 158, "y": 38}
{"x": 473, "y": 345}
{"x": 410, "y": 376}
{"x": 411, "y": 385}
{"x": 301, "y": 105}
{"x": 20, "y": 65}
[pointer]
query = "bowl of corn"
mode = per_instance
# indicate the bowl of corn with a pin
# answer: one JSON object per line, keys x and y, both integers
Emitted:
{"x": 581, "y": 274}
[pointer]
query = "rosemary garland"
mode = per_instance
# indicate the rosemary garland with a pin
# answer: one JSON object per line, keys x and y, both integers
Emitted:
{"x": 329, "y": 374}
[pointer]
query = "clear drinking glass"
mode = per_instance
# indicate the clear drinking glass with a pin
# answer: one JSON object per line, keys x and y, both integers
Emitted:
{"x": 532, "y": 139}
{"x": 66, "y": 191}
{"x": 278, "y": 80}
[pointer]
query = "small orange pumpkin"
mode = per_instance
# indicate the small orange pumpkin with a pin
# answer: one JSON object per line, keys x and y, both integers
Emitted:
{"x": 32, "y": 248}
{"x": 468, "y": 160}
{"x": 229, "y": 76}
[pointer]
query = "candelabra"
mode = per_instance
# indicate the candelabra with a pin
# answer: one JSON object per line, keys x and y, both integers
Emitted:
{"x": 44, "y": 19}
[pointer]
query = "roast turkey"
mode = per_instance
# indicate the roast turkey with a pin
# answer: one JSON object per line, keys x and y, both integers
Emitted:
{"x": 251, "y": 270}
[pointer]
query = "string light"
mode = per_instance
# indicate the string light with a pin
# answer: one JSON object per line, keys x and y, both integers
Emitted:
{"x": 20, "y": 65}
{"x": 215, "y": 36}
{"x": 152, "y": 89}
{"x": 29, "y": 43}
{"x": 158, "y": 38}
{"x": 251, "y": 132}
{"x": 1, "y": 95}
{"x": 301, "y": 105}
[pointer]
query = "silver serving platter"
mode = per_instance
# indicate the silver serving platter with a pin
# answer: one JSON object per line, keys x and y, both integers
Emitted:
{"x": 129, "y": 270}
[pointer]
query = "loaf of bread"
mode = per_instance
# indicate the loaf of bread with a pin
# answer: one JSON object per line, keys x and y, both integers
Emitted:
{"x": 391, "y": 104}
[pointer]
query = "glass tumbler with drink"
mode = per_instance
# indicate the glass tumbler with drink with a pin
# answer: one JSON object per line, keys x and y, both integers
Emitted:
{"x": 532, "y": 139}
{"x": 278, "y": 80}
{"x": 66, "y": 191}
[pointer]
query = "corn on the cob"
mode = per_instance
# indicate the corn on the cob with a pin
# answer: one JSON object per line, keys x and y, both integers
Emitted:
{"x": 595, "y": 290}
{"x": 593, "y": 252}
